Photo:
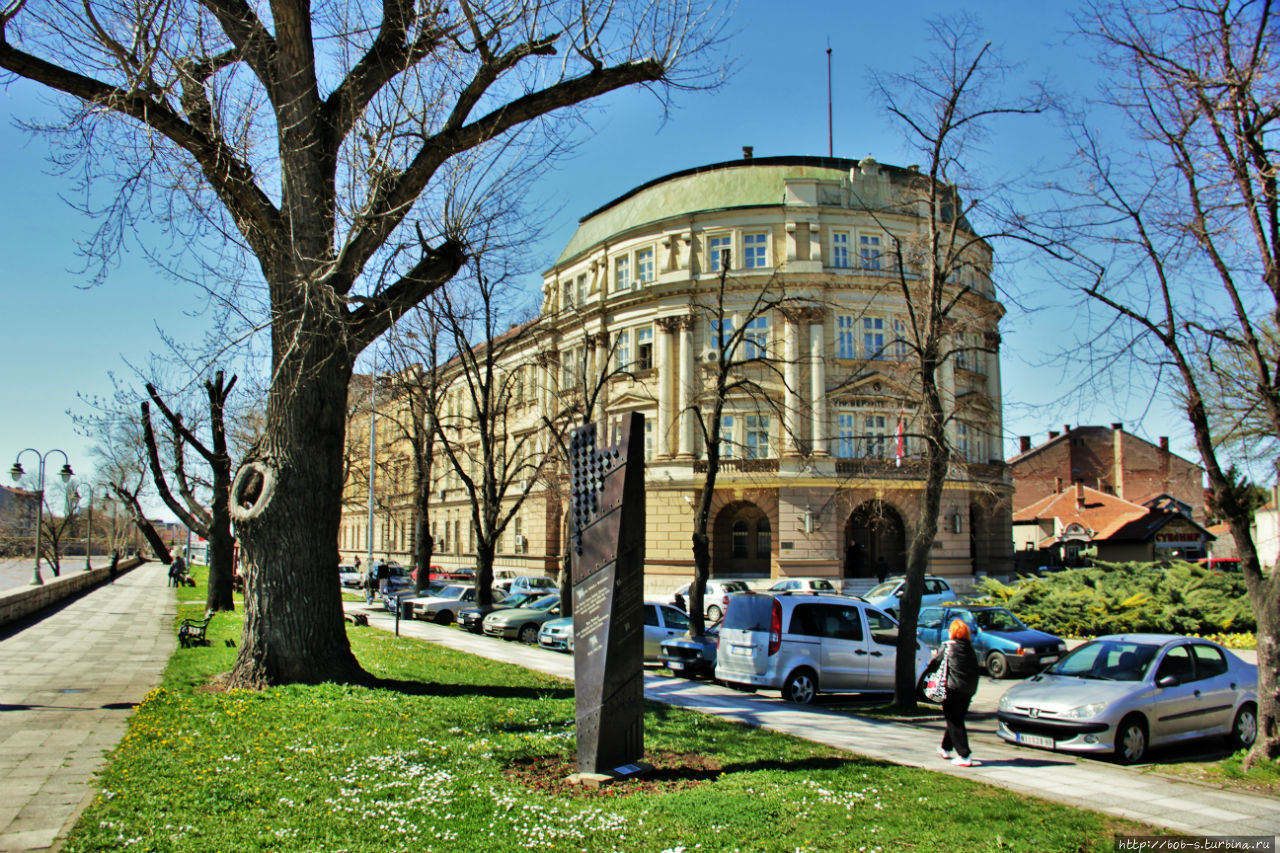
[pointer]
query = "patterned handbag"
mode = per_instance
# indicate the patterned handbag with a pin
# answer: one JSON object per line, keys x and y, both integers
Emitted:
{"x": 935, "y": 685}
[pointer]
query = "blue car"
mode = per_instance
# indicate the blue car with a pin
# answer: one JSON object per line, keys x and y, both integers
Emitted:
{"x": 1004, "y": 645}
{"x": 885, "y": 596}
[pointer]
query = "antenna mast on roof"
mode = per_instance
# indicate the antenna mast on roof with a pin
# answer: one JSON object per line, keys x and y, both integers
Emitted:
{"x": 830, "y": 148}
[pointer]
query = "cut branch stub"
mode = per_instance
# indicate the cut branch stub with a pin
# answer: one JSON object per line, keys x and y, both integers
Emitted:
{"x": 252, "y": 490}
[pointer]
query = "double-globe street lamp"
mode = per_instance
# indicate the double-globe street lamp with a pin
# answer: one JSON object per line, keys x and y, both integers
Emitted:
{"x": 16, "y": 472}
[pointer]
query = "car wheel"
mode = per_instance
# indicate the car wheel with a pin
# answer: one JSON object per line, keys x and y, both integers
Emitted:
{"x": 800, "y": 687}
{"x": 714, "y": 613}
{"x": 1131, "y": 740}
{"x": 444, "y": 617}
{"x": 997, "y": 665}
{"x": 1244, "y": 730}
{"x": 529, "y": 634}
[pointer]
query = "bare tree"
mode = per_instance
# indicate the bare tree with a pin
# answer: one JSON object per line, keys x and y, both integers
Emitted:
{"x": 1179, "y": 232}
{"x": 350, "y": 150}
{"x": 747, "y": 367}
{"x": 213, "y": 522}
{"x": 486, "y": 432}
{"x": 945, "y": 106}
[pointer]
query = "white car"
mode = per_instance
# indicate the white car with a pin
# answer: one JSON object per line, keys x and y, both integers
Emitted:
{"x": 716, "y": 597}
{"x": 350, "y": 577}
{"x": 804, "y": 645}
{"x": 885, "y": 596}
{"x": 813, "y": 586}
{"x": 443, "y": 607}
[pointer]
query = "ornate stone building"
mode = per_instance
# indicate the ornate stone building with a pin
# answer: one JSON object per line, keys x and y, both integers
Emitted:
{"x": 810, "y": 262}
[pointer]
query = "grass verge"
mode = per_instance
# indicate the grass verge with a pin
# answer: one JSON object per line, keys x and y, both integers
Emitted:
{"x": 453, "y": 759}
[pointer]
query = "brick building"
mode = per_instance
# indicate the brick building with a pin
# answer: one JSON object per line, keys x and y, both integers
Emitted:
{"x": 1106, "y": 459}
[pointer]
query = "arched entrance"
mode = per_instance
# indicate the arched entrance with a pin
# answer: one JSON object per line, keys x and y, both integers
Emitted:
{"x": 742, "y": 542}
{"x": 875, "y": 541}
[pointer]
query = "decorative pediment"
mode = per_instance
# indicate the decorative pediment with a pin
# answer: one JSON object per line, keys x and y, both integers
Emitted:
{"x": 631, "y": 400}
{"x": 974, "y": 401}
{"x": 876, "y": 389}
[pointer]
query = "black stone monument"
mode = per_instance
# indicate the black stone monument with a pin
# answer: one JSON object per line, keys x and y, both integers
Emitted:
{"x": 606, "y": 527}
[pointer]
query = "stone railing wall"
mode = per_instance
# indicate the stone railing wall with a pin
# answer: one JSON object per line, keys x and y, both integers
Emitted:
{"x": 23, "y": 601}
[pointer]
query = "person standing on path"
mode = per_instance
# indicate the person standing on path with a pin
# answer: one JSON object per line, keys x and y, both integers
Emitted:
{"x": 177, "y": 570}
{"x": 962, "y": 683}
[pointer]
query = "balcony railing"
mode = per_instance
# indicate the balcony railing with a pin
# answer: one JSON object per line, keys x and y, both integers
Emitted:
{"x": 744, "y": 466}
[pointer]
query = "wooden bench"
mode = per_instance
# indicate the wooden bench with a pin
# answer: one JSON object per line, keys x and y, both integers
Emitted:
{"x": 191, "y": 632}
{"x": 360, "y": 620}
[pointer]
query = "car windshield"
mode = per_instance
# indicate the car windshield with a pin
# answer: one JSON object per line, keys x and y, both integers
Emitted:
{"x": 823, "y": 585}
{"x": 881, "y": 589}
{"x": 734, "y": 586}
{"x": 542, "y": 583}
{"x": 1107, "y": 660}
{"x": 455, "y": 591}
{"x": 998, "y": 619}
{"x": 749, "y": 613}
{"x": 545, "y": 603}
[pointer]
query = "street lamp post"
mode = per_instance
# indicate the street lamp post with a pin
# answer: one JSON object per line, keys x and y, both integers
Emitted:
{"x": 88, "y": 539}
{"x": 16, "y": 473}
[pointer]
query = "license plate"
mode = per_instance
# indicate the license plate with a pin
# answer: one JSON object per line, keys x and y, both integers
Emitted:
{"x": 676, "y": 667}
{"x": 1036, "y": 740}
{"x": 741, "y": 651}
{"x": 1048, "y": 659}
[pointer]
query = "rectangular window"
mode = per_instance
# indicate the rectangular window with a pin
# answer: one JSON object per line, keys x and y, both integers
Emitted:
{"x": 622, "y": 354}
{"x": 872, "y": 338}
{"x": 644, "y": 347}
{"x": 756, "y": 429}
{"x": 755, "y": 250}
{"x": 622, "y": 273}
{"x": 846, "y": 436}
{"x": 718, "y": 247}
{"x": 721, "y": 333}
{"x": 581, "y": 287}
{"x": 726, "y": 436}
{"x": 569, "y": 368}
{"x": 846, "y": 343}
{"x": 874, "y": 436}
{"x": 869, "y": 245}
{"x": 839, "y": 248}
{"x": 521, "y": 546}
{"x": 648, "y": 438}
{"x": 900, "y": 348}
{"x": 567, "y": 301}
{"x": 644, "y": 266}
{"x": 756, "y": 338}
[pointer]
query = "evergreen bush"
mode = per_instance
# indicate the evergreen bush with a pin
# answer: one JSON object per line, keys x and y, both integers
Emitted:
{"x": 1111, "y": 598}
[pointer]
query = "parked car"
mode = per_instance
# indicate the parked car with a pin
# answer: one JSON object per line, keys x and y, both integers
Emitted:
{"x": 522, "y": 623}
{"x": 399, "y": 578}
{"x": 690, "y": 657}
{"x": 443, "y": 606}
{"x": 1003, "y": 644}
{"x": 716, "y": 597}
{"x": 439, "y": 573}
{"x": 661, "y": 622}
{"x": 1124, "y": 693}
{"x": 885, "y": 596}
{"x": 809, "y": 644}
{"x": 526, "y": 583}
{"x": 472, "y": 618}
{"x": 350, "y": 577}
{"x": 557, "y": 634}
{"x": 809, "y": 585}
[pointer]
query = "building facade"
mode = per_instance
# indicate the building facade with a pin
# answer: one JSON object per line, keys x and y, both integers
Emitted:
{"x": 803, "y": 266}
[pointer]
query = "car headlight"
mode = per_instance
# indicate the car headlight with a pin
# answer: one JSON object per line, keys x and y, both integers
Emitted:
{"x": 498, "y": 623}
{"x": 1006, "y": 704}
{"x": 1093, "y": 709}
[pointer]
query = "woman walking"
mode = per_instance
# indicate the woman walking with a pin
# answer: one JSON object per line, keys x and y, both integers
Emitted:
{"x": 962, "y": 683}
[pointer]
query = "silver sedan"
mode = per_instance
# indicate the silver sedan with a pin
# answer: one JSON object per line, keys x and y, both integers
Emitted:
{"x": 1125, "y": 693}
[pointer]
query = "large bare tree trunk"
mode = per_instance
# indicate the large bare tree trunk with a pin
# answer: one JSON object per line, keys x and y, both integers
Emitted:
{"x": 286, "y": 502}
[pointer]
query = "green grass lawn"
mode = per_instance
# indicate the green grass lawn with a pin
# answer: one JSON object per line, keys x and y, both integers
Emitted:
{"x": 427, "y": 765}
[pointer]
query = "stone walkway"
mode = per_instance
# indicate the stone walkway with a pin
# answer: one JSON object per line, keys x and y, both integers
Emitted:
{"x": 1129, "y": 792}
{"x": 69, "y": 683}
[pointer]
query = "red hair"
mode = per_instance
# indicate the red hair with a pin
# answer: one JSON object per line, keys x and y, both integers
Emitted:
{"x": 959, "y": 630}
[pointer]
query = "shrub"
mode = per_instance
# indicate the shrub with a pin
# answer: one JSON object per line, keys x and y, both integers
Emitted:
{"x": 1112, "y": 598}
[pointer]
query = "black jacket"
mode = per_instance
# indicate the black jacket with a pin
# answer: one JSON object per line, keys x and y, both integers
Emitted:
{"x": 962, "y": 667}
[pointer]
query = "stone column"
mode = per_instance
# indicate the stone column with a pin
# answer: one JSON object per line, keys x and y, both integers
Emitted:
{"x": 818, "y": 382}
{"x": 667, "y": 367}
{"x": 815, "y": 242}
{"x": 791, "y": 394}
{"x": 600, "y": 346}
{"x": 687, "y": 388}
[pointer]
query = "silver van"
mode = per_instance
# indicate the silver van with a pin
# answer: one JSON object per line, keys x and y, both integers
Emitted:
{"x": 809, "y": 644}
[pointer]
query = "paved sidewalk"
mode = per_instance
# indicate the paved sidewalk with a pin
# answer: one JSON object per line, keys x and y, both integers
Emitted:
{"x": 1126, "y": 792}
{"x": 68, "y": 685}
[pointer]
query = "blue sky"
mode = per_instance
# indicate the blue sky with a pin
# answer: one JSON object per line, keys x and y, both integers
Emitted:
{"x": 61, "y": 339}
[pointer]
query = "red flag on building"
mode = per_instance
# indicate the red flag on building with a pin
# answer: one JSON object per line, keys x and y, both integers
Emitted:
{"x": 898, "y": 460}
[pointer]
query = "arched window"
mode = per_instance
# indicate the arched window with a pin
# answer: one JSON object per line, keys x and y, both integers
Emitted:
{"x": 764, "y": 538}
{"x": 740, "y": 538}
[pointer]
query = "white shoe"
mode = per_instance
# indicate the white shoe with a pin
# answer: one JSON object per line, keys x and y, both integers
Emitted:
{"x": 960, "y": 761}
{"x": 944, "y": 753}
